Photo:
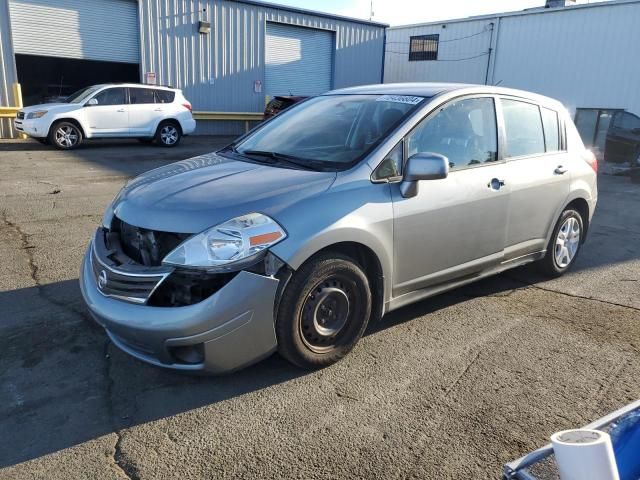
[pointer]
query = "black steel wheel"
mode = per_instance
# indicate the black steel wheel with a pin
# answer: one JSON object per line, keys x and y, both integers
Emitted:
{"x": 323, "y": 312}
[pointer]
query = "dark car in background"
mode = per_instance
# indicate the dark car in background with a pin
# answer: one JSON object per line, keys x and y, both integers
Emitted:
{"x": 280, "y": 103}
{"x": 623, "y": 139}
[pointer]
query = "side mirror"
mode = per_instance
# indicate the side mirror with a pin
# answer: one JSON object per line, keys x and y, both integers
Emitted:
{"x": 423, "y": 166}
{"x": 91, "y": 103}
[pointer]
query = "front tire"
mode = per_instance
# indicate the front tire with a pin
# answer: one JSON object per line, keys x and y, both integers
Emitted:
{"x": 65, "y": 135}
{"x": 168, "y": 134}
{"x": 323, "y": 312}
{"x": 564, "y": 245}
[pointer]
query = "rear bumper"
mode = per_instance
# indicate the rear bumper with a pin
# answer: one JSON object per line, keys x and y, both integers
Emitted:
{"x": 188, "y": 126}
{"x": 233, "y": 328}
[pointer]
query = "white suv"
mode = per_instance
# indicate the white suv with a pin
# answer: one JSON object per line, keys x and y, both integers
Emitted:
{"x": 149, "y": 113}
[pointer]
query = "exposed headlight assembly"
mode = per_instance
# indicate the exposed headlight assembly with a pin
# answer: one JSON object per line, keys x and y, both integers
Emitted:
{"x": 37, "y": 114}
{"x": 228, "y": 246}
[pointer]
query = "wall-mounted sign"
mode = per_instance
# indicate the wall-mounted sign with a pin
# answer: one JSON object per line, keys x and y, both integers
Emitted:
{"x": 150, "y": 78}
{"x": 257, "y": 86}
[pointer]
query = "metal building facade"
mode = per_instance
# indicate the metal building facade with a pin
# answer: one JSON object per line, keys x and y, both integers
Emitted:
{"x": 224, "y": 71}
{"x": 219, "y": 71}
{"x": 584, "y": 55}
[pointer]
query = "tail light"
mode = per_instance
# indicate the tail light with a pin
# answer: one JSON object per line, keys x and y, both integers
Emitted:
{"x": 591, "y": 159}
{"x": 188, "y": 107}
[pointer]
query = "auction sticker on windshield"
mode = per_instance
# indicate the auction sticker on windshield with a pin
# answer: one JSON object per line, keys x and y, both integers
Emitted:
{"x": 400, "y": 99}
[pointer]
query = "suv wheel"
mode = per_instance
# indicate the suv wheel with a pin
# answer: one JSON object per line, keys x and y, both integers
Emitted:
{"x": 323, "y": 312}
{"x": 65, "y": 136}
{"x": 168, "y": 134}
{"x": 565, "y": 243}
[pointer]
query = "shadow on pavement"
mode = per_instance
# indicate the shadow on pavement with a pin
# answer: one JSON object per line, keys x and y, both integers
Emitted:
{"x": 64, "y": 383}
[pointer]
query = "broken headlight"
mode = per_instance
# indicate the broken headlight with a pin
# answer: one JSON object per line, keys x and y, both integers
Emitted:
{"x": 228, "y": 246}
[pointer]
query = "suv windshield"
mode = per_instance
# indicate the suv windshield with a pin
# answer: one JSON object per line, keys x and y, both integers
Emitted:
{"x": 82, "y": 94}
{"x": 333, "y": 131}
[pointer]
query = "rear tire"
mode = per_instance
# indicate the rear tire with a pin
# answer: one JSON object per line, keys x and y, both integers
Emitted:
{"x": 65, "y": 135}
{"x": 168, "y": 134}
{"x": 323, "y": 312}
{"x": 564, "y": 245}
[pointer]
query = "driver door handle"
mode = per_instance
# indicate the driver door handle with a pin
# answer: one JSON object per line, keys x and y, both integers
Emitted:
{"x": 122, "y": 110}
{"x": 496, "y": 184}
{"x": 560, "y": 170}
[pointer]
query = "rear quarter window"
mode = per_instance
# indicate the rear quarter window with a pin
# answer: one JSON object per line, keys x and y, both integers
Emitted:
{"x": 165, "y": 96}
{"x": 551, "y": 129}
{"x": 523, "y": 129}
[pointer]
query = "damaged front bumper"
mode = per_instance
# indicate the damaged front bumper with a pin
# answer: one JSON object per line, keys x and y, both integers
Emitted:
{"x": 229, "y": 330}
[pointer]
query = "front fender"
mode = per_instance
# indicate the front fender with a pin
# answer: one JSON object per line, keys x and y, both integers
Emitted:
{"x": 361, "y": 214}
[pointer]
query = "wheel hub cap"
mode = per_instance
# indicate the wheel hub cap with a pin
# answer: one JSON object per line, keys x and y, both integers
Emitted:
{"x": 169, "y": 135}
{"x": 325, "y": 314}
{"x": 66, "y": 136}
{"x": 567, "y": 242}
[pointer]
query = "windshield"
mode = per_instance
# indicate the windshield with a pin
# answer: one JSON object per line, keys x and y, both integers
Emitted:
{"x": 335, "y": 131}
{"x": 82, "y": 94}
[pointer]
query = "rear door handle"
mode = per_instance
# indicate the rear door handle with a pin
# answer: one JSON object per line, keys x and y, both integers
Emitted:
{"x": 158, "y": 110}
{"x": 560, "y": 170}
{"x": 122, "y": 110}
{"x": 496, "y": 184}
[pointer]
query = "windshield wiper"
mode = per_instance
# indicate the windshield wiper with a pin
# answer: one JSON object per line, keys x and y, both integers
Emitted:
{"x": 282, "y": 157}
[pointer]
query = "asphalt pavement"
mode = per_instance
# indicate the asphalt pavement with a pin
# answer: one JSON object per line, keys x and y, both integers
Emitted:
{"x": 451, "y": 387}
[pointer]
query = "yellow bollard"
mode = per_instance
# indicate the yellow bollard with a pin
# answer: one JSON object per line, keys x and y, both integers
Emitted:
{"x": 17, "y": 97}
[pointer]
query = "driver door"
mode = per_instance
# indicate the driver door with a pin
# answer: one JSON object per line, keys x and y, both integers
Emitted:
{"x": 454, "y": 227}
{"x": 110, "y": 116}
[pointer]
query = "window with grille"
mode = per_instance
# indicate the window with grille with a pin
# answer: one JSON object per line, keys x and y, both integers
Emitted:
{"x": 423, "y": 47}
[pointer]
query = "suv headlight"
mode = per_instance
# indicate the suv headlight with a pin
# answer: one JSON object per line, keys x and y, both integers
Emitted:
{"x": 237, "y": 241}
{"x": 37, "y": 114}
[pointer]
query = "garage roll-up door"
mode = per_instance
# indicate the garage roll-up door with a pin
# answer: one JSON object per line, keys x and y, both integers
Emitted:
{"x": 299, "y": 61}
{"x": 84, "y": 29}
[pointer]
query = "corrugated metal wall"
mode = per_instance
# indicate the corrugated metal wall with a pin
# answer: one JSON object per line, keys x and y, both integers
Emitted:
{"x": 585, "y": 56}
{"x": 8, "y": 75}
{"x": 217, "y": 72}
{"x": 463, "y": 53}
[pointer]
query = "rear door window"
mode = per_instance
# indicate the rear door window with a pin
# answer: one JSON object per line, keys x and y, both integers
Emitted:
{"x": 141, "y": 95}
{"x": 523, "y": 129}
{"x": 165, "y": 96}
{"x": 551, "y": 129}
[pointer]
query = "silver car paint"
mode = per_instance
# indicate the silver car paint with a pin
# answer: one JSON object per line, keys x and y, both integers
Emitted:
{"x": 456, "y": 230}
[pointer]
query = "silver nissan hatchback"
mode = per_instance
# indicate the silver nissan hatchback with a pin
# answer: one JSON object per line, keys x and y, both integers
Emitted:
{"x": 345, "y": 207}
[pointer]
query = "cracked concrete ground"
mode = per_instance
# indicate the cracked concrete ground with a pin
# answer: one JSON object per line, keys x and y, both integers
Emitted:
{"x": 452, "y": 387}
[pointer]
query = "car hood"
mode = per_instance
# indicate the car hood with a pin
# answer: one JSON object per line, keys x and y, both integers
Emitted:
{"x": 52, "y": 107}
{"x": 195, "y": 194}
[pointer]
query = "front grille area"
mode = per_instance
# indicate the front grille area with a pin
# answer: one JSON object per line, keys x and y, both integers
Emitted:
{"x": 118, "y": 276}
{"x": 129, "y": 259}
{"x": 146, "y": 247}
